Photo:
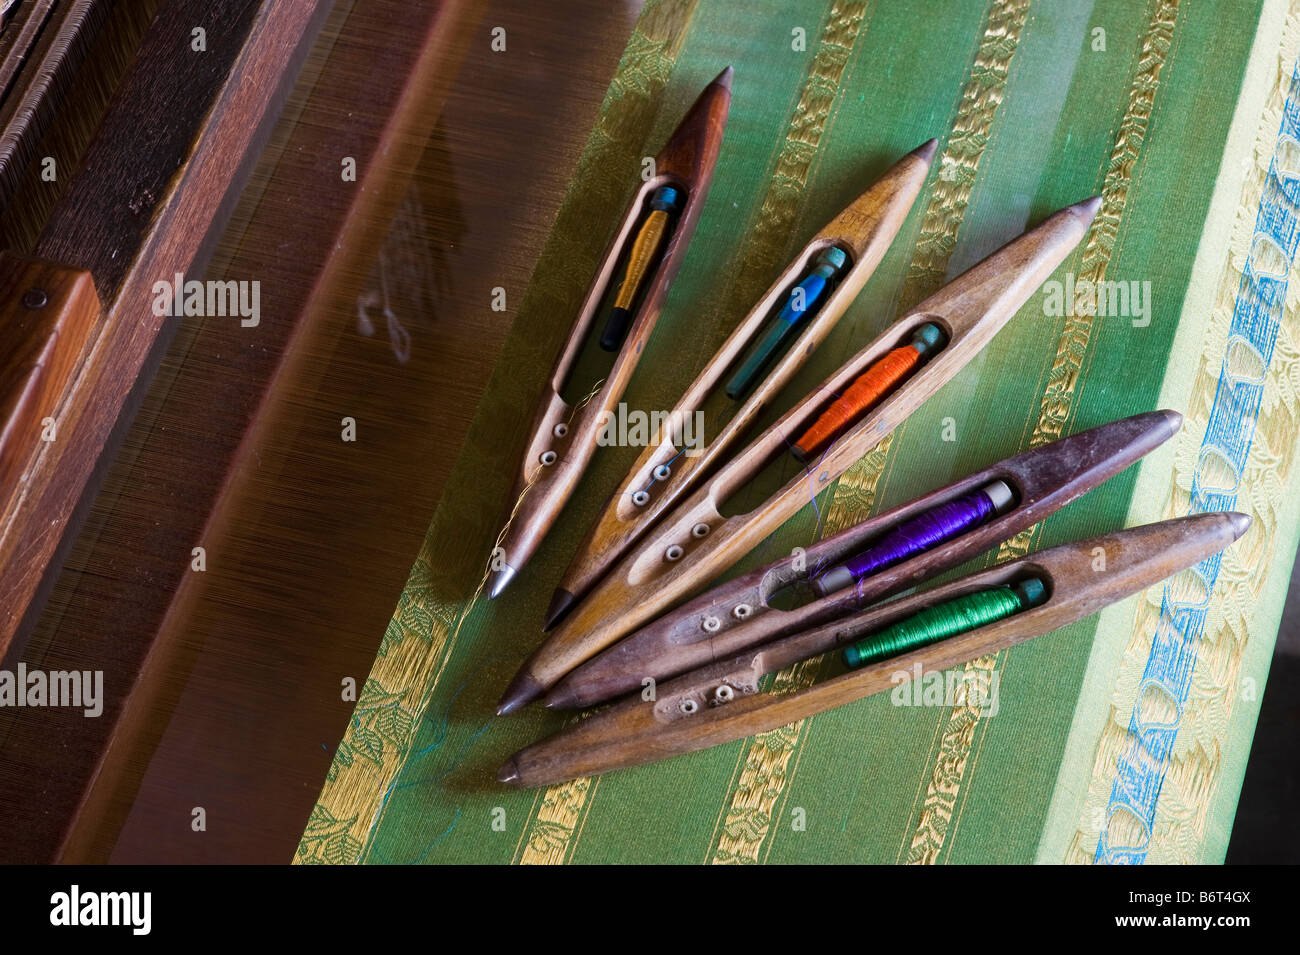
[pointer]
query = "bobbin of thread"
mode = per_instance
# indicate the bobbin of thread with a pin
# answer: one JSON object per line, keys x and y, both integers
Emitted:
{"x": 948, "y": 619}
{"x": 805, "y": 299}
{"x": 917, "y": 534}
{"x": 653, "y": 231}
{"x": 871, "y": 387}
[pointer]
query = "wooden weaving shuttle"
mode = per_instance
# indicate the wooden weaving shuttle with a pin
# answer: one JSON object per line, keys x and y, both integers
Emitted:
{"x": 738, "y": 615}
{"x": 721, "y": 702}
{"x": 563, "y": 437}
{"x": 694, "y": 543}
{"x": 662, "y": 475}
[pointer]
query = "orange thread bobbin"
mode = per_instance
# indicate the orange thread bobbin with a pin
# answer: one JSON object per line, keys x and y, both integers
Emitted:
{"x": 868, "y": 390}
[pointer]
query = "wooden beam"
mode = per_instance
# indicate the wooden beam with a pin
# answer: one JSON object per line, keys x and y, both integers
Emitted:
{"x": 46, "y": 314}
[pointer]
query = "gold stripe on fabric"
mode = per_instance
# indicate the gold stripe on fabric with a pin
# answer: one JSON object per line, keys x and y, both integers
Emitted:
{"x": 558, "y": 818}
{"x": 1055, "y": 409}
{"x": 748, "y": 816}
{"x": 965, "y": 145}
{"x": 769, "y": 235}
{"x": 1219, "y": 686}
{"x": 421, "y": 635}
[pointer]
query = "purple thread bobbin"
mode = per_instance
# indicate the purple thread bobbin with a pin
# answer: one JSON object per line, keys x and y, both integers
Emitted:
{"x": 941, "y": 523}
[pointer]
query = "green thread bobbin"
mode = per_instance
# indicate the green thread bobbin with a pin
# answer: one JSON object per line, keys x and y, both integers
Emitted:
{"x": 945, "y": 620}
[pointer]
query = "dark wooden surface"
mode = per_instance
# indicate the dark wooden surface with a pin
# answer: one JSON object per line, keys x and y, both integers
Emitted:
{"x": 152, "y": 184}
{"x": 148, "y": 137}
{"x": 146, "y": 202}
{"x": 237, "y": 446}
{"x": 312, "y": 258}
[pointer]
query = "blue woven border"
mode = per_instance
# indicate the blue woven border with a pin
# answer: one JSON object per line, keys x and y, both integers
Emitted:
{"x": 1140, "y": 770}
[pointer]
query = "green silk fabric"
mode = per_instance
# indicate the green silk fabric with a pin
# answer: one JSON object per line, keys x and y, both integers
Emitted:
{"x": 1161, "y": 107}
